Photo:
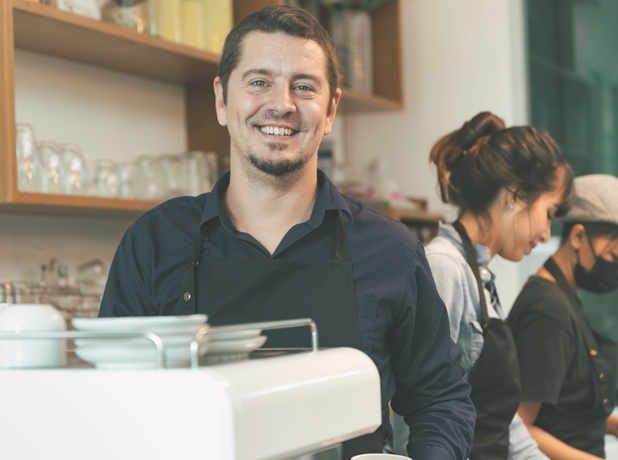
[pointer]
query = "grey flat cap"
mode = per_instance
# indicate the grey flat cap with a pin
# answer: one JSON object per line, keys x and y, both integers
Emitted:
{"x": 596, "y": 200}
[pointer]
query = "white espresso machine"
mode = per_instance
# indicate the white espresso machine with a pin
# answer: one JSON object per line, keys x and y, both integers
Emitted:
{"x": 279, "y": 407}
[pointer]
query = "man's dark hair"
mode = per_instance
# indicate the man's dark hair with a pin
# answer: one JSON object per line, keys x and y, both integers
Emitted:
{"x": 288, "y": 19}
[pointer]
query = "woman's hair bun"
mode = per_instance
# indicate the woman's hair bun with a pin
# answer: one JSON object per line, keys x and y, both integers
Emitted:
{"x": 479, "y": 160}
{"x": 483, "y": 124}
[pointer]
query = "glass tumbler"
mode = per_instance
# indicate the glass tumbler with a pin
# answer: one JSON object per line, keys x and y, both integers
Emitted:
{"x": 28, "y": 161}
{"x": 54, "y": 176}
{"x": 171, "y": 175}
{"x": 127, "y": 181}
{"x": 147, "y": 185}
{"x": 201, "y": 172}
{"x": 106, "y": 180}
{"x": 76, "y": 182}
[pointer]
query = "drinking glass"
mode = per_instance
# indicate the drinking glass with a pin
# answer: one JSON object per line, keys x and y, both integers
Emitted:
{"x": 106, "y": 180}
{"x": 77, "y": 177}
{"x": 127, "y": 181}
{"x": 201, "y": 172}
{"x": 172, "y": 175}
{"x": 28, "y": 161}
{"x": 54, "y": 176}
{"x": 147, "y": 187}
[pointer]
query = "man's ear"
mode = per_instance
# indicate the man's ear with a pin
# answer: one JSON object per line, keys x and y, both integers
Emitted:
{"x": 220, "y": 102}
{"x": 577, "y": 236}
{"x": 330, "y": 117}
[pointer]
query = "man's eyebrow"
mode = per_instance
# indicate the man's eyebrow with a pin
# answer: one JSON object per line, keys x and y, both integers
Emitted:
{"x": 256, "y": 71}
{"x": 267, "y": 72}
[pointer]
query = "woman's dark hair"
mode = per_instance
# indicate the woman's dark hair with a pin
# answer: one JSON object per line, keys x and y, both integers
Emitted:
{"x": 288, "y": 19}
{"x": 477, "y": 161}
{"x": 593, "y": 230}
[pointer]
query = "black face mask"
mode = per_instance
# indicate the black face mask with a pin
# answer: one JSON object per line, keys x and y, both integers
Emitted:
{"x": 601, "y": 279}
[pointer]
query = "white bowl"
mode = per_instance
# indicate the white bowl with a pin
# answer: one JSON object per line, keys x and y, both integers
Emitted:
{"x": 249, "y": 334}
{"x": 223, "y": 347}
{"x": 135, "y": 357}
{"x": 31, "y": 353}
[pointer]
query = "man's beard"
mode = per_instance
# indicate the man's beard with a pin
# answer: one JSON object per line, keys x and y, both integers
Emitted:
{"x": 279, "y": 169}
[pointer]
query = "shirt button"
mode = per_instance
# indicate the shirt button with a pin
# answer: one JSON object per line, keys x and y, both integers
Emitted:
{"x": 593, "y": 352}
{"x": 187, "y": 297}
{"x": 484, "y": 271}
{"x": 605, "y": 401}
{"x": 602, "y": 377}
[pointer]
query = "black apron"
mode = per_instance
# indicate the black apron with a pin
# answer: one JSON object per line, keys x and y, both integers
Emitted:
{"x": 233, "y": 291}
{"x": 603, "y": 353}
{"x": 496, "y": 388}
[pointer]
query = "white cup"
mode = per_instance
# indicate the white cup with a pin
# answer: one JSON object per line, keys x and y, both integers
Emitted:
{"x": 379, "y": 457}
{"x": 31, "y": 353}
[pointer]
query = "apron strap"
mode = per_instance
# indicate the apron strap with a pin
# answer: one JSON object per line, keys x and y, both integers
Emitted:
{"x": 552, "y": 267}
{"x": 474, "y": 265}
{"x": 589, "y": 336}
{"x": 343, "y": 250}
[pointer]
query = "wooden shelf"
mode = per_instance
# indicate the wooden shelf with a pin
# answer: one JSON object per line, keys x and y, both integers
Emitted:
{"x": 48, "y": 30}
{"x": 409, "y": 215}
{"x": 44, "y": 29}
{"x": 71, "y": 205}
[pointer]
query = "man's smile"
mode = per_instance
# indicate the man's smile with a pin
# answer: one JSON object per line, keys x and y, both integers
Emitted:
{"x": 278, "y": 131}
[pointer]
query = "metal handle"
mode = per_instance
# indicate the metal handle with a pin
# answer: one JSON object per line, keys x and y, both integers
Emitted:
{"x": 268, "y": 325}
{"x": 155, "y": 338}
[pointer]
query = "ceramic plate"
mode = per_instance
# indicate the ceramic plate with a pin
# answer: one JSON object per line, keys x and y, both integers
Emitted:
{"x": 209, "y": 360}
{"x": 221, "y": 347}
{"x": 169, "y": 339}
{"x": 138, "y": 323}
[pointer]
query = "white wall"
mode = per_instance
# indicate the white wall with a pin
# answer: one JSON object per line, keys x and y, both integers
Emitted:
{"x": 460, "y": 58}
{"x": 111, "y": 115}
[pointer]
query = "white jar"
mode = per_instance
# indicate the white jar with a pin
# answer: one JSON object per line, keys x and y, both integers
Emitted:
{"x": 31, "y": 353}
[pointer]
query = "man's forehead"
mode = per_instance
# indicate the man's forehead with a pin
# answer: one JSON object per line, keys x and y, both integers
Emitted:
{"x": 257, "y": 40}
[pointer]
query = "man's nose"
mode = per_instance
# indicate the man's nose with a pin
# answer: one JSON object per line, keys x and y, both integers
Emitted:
{"x": 281, "y": 100}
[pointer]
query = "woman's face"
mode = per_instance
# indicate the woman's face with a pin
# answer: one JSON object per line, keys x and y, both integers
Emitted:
{"x": 524, "y": 226}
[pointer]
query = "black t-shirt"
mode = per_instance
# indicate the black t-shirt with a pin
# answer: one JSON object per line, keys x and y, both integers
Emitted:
{"x": 555, "y": 365}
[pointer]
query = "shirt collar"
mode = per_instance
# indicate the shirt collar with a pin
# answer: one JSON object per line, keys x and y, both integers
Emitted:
{"x": 483, "y": 254}
{"x": 329, "y": 198}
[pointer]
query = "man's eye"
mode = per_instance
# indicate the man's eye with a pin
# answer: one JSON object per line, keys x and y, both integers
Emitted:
{"x": 259, "y": 83}
{"x": 303, "y": 88}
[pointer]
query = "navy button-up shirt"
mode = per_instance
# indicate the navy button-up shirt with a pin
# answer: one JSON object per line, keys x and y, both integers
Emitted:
{"x": 402, "y": 322}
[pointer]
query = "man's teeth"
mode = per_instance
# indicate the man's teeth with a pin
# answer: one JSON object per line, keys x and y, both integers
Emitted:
{"x": 276, "y": 131}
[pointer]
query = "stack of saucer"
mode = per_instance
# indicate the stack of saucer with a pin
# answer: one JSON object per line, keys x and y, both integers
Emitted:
{"x": 231, "y": 346}
{"x": 139, "y": 353}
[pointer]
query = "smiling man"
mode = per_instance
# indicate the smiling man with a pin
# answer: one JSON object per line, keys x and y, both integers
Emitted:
{"x": 275, "y": 240}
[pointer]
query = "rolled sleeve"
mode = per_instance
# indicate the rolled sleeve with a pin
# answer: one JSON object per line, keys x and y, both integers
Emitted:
{"x": 449, "y": 283}
{"x": 521, "y": 444}
{"x": 432, "y": 393}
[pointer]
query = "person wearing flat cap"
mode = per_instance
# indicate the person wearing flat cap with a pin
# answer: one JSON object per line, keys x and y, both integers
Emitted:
{"x": 568, "y": 372}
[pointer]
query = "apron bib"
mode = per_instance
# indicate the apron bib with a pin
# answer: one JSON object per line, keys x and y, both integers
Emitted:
{"x": 234, "y": 291}
{"x": 603, "y": 355}
{"x": 496, "y": 388}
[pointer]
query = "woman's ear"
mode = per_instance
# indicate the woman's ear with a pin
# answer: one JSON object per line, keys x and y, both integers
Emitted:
{"x": 578, "y": 234}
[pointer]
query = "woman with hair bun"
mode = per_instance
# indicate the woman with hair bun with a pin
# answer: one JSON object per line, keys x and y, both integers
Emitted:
{"x": 508, "y": 184}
